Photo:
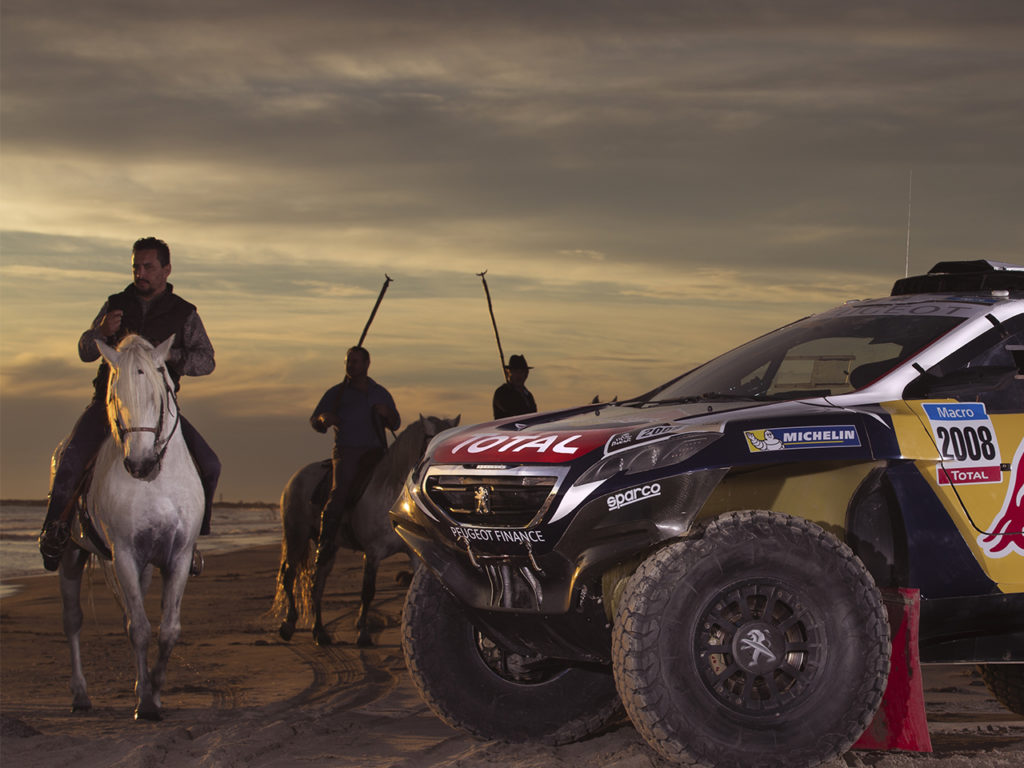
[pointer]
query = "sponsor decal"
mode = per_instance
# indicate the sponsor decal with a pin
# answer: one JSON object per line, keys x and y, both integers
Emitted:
{"x": 625, "y": 440}
{"x": 934, "y": 309}
{"x": 499, "y": 535}
{"x": 967, "y": 443}
{"x": 1007, "y": 533}
{"x": 543, "y": 447}
{"x": 788, "y": 438}
{"x": 619, "y": 441}
{"x": 519, "y": 443}
{"x": 633, "y": 495}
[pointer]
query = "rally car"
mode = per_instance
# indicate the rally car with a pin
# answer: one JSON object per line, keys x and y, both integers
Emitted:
{"x": 713, "y": 556}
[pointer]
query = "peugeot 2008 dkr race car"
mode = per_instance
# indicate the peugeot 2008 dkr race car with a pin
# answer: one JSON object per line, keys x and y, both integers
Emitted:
{"x": 712, "y": 556}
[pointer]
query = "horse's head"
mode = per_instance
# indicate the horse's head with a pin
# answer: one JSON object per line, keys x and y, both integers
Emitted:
{"x": 434, "y": 425}
{"x": 409, "y": 447}
{"x": 140, "y": 403}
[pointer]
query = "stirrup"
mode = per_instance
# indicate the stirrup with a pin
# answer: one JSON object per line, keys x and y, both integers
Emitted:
{"x": 53, "y": 539}
{"x": 197, "y": 563}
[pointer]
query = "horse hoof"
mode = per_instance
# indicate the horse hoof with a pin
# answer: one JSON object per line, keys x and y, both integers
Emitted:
{"x": 151, "y": 715}
{"x": 321, "y": 637}
{"x": 364, "y": 641}
{"x": 81, "y": 707}
{"x": 286, "y": 631}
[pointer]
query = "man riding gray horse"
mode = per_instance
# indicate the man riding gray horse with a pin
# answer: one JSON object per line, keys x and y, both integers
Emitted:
{"x": 359, "y": 409}
{"x": 150, "y": 308}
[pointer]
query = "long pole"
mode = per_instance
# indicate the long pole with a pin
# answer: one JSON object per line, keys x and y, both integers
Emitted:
{"x": 380, "y": 296}
{"x": 910, "y": 194}
{"x": 490, "y": 308}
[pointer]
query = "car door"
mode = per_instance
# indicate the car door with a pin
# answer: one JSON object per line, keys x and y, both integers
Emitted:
{"x": 972, "y": 405}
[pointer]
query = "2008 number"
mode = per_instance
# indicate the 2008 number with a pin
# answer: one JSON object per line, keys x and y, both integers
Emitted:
{"x": 962, "y": 443}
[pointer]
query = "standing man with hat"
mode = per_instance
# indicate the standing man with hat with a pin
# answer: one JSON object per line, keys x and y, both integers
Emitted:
{"x": 513, "y": 398}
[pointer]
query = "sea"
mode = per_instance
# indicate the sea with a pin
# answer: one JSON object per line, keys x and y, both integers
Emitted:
{"x": 233, "y": 527}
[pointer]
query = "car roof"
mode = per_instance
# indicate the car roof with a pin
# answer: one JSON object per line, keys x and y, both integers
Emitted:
{"x": 965, "y": 304}
{"x": 981, "y": 276}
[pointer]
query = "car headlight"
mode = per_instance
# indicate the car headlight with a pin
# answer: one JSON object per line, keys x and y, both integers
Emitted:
{"x": 663, "y": 453}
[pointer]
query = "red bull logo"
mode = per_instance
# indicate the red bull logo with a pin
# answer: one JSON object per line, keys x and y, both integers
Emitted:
{"x": 1007, "y": 533}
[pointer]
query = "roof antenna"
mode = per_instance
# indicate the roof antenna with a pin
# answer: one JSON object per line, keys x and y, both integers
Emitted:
{"x": 910, "y": 192}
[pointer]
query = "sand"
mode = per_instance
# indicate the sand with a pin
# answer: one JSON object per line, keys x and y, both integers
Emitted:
{"x": 237, "y": 695}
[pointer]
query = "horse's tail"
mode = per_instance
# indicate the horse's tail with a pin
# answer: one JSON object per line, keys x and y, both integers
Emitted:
{"x": 280, "y": 605}
{"x": 297, "y": 552}
{"x": 302, "y": 584}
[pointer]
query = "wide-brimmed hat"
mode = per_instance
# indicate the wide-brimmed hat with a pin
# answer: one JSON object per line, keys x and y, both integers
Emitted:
{"x": 518, "y": 362}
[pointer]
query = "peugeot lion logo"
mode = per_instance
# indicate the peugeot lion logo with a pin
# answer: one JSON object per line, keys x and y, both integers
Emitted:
{"x": 758, "y": 644}
{"x": 483, "y": 500}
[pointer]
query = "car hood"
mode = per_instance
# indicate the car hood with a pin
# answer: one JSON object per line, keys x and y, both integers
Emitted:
{"x": 564, "y": 436}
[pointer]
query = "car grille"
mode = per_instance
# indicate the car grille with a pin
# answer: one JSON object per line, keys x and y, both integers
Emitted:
{"x": 513, "y": 500}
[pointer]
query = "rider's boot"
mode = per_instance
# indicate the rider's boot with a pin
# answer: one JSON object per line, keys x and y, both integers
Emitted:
{"x": 330, "y": 521}
{"x": 197, "y": 557}
{"x": 56, "y": 531}
{"x": 52, "y": 540}
{"x": 72, "y": 466}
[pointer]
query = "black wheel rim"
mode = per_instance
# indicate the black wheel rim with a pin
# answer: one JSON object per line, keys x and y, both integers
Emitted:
{"x": 759, "y": 647}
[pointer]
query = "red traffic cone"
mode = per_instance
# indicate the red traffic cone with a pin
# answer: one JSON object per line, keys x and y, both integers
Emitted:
{"x": 900, "y": 722}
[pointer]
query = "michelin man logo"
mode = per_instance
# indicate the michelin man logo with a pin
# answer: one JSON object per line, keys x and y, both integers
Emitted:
{"x": 766, "y": 442}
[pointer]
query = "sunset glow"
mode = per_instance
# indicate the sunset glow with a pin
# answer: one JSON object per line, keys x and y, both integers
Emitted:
{"x": 646, "y": 184}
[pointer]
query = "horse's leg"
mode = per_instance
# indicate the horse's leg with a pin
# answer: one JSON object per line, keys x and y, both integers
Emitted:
{"x": 287, "y": 579}
{"x": 322, "y": 569}
{"x": 72, "y": 566}
{"x": 139, "y": 631}
{"x": 175, "y": 579}
{"x": 370, "y": 565}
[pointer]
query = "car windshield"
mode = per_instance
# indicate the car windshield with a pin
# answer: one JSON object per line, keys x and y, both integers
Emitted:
{"x": 828, "y": 354}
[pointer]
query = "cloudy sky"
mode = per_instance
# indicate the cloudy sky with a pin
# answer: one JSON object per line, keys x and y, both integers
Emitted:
{"x": 646, "y": 184}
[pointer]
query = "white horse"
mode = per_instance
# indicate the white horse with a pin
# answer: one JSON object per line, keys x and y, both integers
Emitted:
{"x": 146, "y": 505}
{"x": 371, "y": 528}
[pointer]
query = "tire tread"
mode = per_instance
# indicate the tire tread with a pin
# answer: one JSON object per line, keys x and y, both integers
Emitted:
{"x": 648, "y": 591}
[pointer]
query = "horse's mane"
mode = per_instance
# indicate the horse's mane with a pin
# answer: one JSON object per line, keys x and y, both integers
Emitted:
{"x": 135, "y": 354}
{"x": 402, "y": 454}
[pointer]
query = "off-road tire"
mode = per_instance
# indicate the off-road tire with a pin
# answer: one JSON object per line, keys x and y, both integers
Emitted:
{"x": 1006, "y": 683}
{"x": 764, "y": 642}
{"x": 443, "y": 654}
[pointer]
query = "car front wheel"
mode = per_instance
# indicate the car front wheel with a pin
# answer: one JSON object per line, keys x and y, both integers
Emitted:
{"x": 471, "y": 683}
{"x": 764, "y": 642}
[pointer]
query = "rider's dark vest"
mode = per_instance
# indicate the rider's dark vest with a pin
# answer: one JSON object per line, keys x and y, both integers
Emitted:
{"x": 166, "y": 315}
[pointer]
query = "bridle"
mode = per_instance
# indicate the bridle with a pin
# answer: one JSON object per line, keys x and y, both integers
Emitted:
{"x": 159, "y": 443}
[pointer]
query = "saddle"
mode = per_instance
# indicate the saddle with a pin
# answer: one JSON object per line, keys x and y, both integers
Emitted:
{"x": 77, "y": 507}
{"x": 323, "y": 487}
{"x": 322, "y": 492}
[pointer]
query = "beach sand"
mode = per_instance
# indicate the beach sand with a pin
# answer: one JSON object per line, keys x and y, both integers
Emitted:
{"x": 237, "y": 695}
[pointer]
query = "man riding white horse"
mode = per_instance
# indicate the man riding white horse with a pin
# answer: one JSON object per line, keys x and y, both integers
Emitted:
{"x": 150, "y": 308}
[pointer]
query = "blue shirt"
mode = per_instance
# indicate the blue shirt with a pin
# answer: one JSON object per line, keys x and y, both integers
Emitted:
{"x": 358, "y": 426}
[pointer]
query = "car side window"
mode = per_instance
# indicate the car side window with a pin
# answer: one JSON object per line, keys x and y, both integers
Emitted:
{"x": 987, "y": 370}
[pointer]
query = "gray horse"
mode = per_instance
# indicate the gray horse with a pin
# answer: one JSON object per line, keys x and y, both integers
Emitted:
{"x": 371, "y": 528}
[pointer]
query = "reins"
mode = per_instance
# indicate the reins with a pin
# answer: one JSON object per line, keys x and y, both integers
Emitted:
{"x": 160, "y": 443}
